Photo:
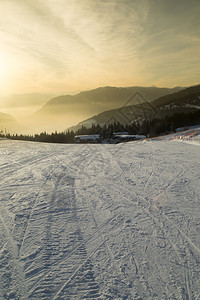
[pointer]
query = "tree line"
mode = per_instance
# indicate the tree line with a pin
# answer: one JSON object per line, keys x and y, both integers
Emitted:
{"x": 151, "y": 128}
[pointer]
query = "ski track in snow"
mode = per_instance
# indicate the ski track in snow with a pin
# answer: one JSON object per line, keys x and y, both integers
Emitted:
{"x": 99, "y": 221}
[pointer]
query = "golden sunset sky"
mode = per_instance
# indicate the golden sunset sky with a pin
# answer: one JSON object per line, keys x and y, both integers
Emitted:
{"x": 66, "y": 46}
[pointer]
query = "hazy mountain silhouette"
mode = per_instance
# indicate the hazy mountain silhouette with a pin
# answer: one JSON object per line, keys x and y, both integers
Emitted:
{"x": 100, "y": 99}
{"x": 25, "y": 100}
{"x": 63, "y": 111}
{"x": 8, "y": 124}
{"x": 186, "y": 100}
{"x": 21, "y": 106}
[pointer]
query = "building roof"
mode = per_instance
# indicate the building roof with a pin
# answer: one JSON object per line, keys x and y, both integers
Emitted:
{"x": 88, "y": 137}
{"x": 134, "y": 136}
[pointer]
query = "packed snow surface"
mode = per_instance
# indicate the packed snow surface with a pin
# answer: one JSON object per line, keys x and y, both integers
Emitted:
{"x": 100, "y": 221}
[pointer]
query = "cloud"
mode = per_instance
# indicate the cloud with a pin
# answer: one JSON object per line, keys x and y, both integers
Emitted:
{"x": 172, "y": 43}
{"x": 67, "y": 44}
{"x": 71, "y": 39}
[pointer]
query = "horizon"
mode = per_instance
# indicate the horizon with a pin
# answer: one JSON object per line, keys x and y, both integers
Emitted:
{"x": 76, "y": 92}
{"x": 61, "y": 113}
{"x": 18, "y": 112}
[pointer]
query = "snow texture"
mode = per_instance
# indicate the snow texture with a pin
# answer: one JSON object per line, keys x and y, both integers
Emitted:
{"x": 100, "y": 221}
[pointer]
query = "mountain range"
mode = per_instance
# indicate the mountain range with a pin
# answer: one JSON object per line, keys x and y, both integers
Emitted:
{"x": 25, "y": 100}
{"x": 63, "y": 111}
{"x": 8, "y": 124}
{"x": 105, "y": 105}
{"x": 185, "y": 100}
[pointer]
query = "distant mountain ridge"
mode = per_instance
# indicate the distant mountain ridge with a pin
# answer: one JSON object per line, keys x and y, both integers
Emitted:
{"x": 103, "y": 98}
{"x": 71, "y": 109}
{"x": 24, "y": 100}
{"x": 8, "y": 123}
{"x": 186, "y": 100}
{"x": 5, "y": 117}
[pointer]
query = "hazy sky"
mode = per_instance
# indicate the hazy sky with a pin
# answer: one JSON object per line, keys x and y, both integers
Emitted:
{"x": 64, "y": 46}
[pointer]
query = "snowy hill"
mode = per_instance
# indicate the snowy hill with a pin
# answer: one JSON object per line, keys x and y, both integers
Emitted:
{"x": 100, "y": 221}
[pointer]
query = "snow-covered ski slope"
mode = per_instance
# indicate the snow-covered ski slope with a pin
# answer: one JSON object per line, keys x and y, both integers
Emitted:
{"x": 100, "y": 221}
